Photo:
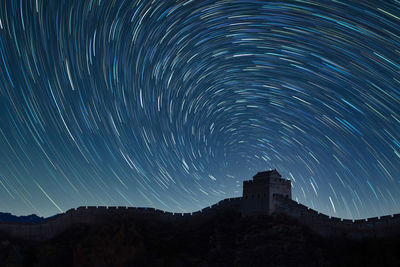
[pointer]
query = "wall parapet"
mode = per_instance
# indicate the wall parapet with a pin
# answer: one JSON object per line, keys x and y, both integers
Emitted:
{"x": 52, "y": 226}
{"x": 326, "y": 225}
{"x": 323, "y": 224}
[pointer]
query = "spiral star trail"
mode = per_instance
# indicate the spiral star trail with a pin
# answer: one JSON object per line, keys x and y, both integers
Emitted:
{"x": 172, "y": 104}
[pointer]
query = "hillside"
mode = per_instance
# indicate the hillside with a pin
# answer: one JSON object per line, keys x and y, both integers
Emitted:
{"x": 224, "y": 239}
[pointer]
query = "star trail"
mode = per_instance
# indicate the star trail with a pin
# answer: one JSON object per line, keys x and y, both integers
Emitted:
{"x": 172, "y": 104}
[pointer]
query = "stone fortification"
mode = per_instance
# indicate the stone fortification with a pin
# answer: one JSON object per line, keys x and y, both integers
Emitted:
{"x": 89, "y": 215}
{"x": 266, "y": 194}
{"x": 258, "y": 193}
{"x": 336, "y": 227}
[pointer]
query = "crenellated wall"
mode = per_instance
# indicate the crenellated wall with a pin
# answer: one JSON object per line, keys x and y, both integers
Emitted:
{"x": 51, "y": 227}
{"x": 321, "y": 223}
{"x": 332, "y": 226}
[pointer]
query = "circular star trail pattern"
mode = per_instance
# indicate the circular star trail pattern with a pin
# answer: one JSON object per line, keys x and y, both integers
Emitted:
{"x": 172, "y": 104}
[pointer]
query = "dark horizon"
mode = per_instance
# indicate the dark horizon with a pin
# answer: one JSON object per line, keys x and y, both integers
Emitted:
{"x": 33, "y": 218}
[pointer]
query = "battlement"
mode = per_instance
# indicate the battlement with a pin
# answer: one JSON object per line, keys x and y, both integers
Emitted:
{"x": 271, "y": 180}
{"x": 332, "y": 226}
{"x": 267, "y": 193}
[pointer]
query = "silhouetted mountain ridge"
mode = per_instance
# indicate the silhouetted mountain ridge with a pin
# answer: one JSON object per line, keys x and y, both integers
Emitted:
{"x": 8, "y": 217}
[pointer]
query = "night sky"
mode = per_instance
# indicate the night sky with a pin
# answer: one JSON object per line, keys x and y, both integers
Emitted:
{"x": 172, "y": 104}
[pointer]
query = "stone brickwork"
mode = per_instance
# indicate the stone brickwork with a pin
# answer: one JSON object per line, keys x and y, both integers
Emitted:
{"x": 258, "y": 193}
{"x": 51, "y": 227}
{"x": 267, "y": 193}
{"x": 331, "y": 226}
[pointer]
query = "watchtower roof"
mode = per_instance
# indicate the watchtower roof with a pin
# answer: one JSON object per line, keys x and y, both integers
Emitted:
{"x": 267, "y": 174}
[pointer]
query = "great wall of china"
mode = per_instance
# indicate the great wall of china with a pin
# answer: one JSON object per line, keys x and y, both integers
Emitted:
{"x": 266, "y": 194}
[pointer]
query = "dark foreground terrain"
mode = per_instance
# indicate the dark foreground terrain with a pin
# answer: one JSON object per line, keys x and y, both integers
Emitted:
{"x": 225, "y": 239}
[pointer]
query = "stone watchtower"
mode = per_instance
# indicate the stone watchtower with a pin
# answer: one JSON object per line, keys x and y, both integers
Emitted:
{"x": 258, "y": 193}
